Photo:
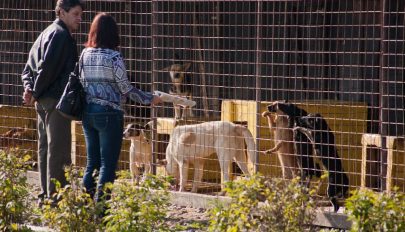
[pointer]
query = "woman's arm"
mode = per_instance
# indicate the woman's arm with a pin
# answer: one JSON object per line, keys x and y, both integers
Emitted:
{"x": 125, "y": 85}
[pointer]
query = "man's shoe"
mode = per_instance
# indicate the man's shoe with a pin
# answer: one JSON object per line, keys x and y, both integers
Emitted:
{"x": 41, "y": 198}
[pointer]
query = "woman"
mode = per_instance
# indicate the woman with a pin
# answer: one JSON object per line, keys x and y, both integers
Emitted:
{"x": 105, "y": 81}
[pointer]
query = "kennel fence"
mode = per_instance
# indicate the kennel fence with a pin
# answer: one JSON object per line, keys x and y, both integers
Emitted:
{"x": 343, "y": 59}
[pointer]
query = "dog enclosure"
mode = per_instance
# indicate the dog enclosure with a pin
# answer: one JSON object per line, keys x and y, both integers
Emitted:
{"x": 343, "y": 59}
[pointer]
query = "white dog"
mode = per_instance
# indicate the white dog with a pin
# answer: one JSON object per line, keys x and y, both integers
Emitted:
{"x": 193, "y": 143}
{"x": 140, "y": 152}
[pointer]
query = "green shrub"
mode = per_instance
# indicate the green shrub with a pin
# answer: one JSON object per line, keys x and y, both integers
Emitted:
{"x": 261, "y": 204}
{"x": 14, "y": 191}
{"x": 143, "y": 208}
{"x": 75, "y": 209}
{"x": 372, "y": 211}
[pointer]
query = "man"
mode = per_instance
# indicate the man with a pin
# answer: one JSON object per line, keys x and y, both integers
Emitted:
{"x": 51, "y": 59}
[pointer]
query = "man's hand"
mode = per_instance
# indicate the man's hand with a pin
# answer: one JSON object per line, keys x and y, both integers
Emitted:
{"x": 27, "y": 97}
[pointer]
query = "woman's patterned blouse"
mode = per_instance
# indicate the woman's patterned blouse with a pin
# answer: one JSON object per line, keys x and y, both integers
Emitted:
{"x": 105, "y": 80}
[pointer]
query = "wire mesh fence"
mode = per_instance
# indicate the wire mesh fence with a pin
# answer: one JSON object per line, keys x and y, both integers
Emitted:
{"x": 341, "y": 59}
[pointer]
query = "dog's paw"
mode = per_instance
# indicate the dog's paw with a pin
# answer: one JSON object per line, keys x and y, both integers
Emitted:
{"x": 267, "y": 152}
{"x": 265, "y": 114}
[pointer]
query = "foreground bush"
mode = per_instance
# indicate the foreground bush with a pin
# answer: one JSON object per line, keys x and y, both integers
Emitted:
{"x": 74, "y": 210}
{"x": 372, "y": 211}
{"x": 143, "y": 208}
{"x": 14, "y": 191}
{"x": 261, "y": 204}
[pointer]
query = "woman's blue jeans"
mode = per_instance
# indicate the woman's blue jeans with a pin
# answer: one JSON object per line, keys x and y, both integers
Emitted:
{"x": 103, "y": 128}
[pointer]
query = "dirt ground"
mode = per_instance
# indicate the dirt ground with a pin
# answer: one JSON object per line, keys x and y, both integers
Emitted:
{"x": 187, "y": 216}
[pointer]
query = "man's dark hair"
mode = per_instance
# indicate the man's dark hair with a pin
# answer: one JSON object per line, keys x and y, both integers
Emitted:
{"x": 66, "y": 5}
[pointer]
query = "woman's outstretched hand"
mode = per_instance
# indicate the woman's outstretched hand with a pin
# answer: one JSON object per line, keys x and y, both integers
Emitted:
{"x": 156, "y": 100}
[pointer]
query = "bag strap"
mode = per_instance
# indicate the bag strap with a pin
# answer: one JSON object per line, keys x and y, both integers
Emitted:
{"x": 80, "y": 64}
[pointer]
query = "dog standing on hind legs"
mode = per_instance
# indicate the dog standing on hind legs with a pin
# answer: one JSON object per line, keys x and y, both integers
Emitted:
{"x": 279, "y": 122}
{"x": 180, "y": 86}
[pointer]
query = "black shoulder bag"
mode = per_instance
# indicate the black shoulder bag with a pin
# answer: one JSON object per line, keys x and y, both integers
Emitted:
{"x": 71, "y": 104}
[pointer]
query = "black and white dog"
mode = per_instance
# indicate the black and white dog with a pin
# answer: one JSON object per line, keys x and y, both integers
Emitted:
{"x": 140, "y": 151}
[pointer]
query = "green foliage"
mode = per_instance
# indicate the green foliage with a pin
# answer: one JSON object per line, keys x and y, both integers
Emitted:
{"x": 75, "y": 210}
{"x": 14, "y": 190}
{"x": 124, "y": 174}
{"x": 143, "y": 208}
{"x": 260, "y": 204}
{"x": 371, "y": 211}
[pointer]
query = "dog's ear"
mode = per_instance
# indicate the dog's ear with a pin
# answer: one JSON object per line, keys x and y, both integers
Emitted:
{"x": 291, "y": 109}
{"x": 187, "y": 138}
{"x": 168, "y": 68}
{"x": 186, "y": 66}
{"x": 283, "y": 107}
{"x": 148, "y": 125}
{"x": 273, "y": 107}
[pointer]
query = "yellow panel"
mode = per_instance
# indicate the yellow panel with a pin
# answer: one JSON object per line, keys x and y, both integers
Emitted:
{"x": 20, "y": 117}
{"x": 16, "y": 117}
{"x": 398, "y": 169}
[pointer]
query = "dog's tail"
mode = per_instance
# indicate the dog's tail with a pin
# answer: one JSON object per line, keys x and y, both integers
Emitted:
{"x": 250, "y": 143}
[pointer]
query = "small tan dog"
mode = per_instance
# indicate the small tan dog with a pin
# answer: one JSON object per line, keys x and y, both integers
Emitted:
{"x": 8, "y": 139}
{"x": 279, "y": 124}
{"x": 16, "y": 136}
{"x": 140, "y": 151}
{"x": 193, "y": 143}
{"x": 181, "y": 87}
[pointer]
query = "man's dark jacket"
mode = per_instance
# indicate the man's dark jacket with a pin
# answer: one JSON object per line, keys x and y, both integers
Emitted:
{"x": 51, "y": 59}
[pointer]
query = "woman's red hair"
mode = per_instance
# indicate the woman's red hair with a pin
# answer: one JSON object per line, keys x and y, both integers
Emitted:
{"x": 103, "y": 32}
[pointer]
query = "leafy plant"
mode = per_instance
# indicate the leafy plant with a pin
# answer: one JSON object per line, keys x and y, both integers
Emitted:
{"x": 14, "y": 190}
{"x": 261, "y": 204}
{"x": 143, "y": 208}
{"x": 372, "y": 211}
{"x": 75, "y": 210}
